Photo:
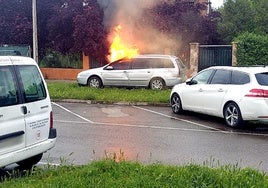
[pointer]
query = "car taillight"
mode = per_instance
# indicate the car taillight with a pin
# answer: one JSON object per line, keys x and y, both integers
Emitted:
{"x": 257, "y": 93}
{"x": 51, "y": 120}
{"x": 179, "y": 71}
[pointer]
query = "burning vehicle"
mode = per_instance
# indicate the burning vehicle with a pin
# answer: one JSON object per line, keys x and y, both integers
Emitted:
{"x": 155, "y": 71}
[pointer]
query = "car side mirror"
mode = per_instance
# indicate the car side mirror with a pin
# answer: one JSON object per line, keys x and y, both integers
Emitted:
{"x": 191, "y": 82}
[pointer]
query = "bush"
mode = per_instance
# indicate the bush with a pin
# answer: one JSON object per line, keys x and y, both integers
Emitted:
{"x": 55, "y": 59}
{"x": 252, "y": 49}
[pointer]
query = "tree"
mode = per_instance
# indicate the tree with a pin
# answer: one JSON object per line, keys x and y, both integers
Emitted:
{"x": 89, "y": 33}
{"x": 76, "y": 27}
{"x": 239, "y": 16}
{"x": 45, "y": 11}
{"x": 183, "y": 23}
{"x": 15, "y": 24}
{"x": 61, "y": 27}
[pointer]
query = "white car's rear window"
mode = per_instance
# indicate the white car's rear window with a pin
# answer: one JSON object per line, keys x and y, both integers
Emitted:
{"x": 262, "y": 78}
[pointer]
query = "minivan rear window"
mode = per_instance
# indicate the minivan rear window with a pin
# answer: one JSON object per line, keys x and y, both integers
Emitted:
{"x": 262, "y": 78}
{"x": 33, "y": 85}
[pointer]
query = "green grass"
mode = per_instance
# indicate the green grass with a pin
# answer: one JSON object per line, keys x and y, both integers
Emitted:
{"x": 109, "y": 173}
{"x": 71, "y": 90}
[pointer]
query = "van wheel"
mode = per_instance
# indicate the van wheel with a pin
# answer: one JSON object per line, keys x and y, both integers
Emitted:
{"x": 232, "y": 115}
{"x": 175, "y": 103}
{"x": 157, "y": 83}
{"x": 94, "y": 81}
{"x": 28, "y": 163}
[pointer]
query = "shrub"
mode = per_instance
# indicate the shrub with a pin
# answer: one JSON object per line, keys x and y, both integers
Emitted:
{"x": 252, "y": 49}
{"x": 55, "y": 59}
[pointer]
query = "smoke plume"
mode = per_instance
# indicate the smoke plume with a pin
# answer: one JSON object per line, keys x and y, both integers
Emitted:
{"x": 128, "y": 13}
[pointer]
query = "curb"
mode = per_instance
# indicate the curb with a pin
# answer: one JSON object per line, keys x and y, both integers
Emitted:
{"x": 114, "y": 103}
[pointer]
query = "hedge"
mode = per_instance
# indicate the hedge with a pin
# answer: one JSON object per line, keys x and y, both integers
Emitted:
{"x": 252, "y": 49}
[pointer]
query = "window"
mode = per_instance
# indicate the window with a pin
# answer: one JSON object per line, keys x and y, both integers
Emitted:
{"x": 151, "y": 63}
{"x": 121, "y": 65}
{"x": 240, "y": 78}
{"x": 33, "y": 85}
{"x": 180, "y": 64}
{"x": 140, "y": 63}
{"x": 221, "y": 77}
{"x": 8, "y": 88}
{"x": 262, "y": 78}
{"x": 203, "y": 77}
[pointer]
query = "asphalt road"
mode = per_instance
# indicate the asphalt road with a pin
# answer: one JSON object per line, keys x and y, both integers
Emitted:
{"x": 151, "y": 134}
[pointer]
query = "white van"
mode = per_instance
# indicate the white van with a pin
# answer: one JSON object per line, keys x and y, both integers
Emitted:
{"x": 26, "y": 121}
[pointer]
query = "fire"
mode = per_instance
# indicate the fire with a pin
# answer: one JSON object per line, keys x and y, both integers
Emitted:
{"x": 120, "y": 49}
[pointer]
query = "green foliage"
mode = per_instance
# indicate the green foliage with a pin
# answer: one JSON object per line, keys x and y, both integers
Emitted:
{"x": 110, "y": 173}
{"x": 252, "y": 49}
{"x": 240, "y": 16}
{"x": 55, "y": 59}
{"x": 67, "y": 90}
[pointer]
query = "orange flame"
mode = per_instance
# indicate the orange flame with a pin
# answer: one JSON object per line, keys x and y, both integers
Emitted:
{"x": 119, "y": 49}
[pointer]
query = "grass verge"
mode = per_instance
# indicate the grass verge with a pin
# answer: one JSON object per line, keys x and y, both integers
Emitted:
{"x": 70, "y": 90}
{"x": 109, "y": 173}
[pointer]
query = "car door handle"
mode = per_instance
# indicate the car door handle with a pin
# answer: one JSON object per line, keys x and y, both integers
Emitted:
{"x": 200, "y": 90}
{"x": 24, "y": 109}
{"x": 220, "y": 90}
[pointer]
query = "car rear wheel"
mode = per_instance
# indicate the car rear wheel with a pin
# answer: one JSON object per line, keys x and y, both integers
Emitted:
{"x": 94, "y": 81}
{"x": 175, "y": 103}
{"x": 232, "y": 115}
{"x": 28, "y": 163}
{"x": 157, "y": 83}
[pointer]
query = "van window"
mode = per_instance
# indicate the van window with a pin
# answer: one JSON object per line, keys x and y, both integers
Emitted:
{"x": 8, "y": 89}
{"x": 33, "y": 85}
{"x": 141, "y": 63}
{"x": 180, "y": 64}
{"x": 150, "y": 63}
{"x": 121, "y": 65}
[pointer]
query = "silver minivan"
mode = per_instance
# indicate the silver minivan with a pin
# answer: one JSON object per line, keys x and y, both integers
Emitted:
{"x": 26, "y": 120}
{"x": 151, "y": 70}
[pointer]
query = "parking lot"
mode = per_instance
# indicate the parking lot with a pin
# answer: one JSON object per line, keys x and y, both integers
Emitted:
{"x": 152, "y": 134}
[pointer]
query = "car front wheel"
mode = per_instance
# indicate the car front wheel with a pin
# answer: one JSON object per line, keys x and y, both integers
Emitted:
{"x": 94, "y": 81}
{"x": 175, "y": 103}
{"x": 157, "y": 83}
{"x": 232, "y": 115}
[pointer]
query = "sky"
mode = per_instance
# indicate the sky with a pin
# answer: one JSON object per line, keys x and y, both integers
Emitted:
{"x": 216, "y": 3}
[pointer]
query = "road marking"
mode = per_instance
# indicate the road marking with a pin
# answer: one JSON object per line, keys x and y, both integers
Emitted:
{"x": 211, "y": 129}
{"x": 187, "y": 121}
{"x": 87, "y": 120}
{"x": 76, "y": 122}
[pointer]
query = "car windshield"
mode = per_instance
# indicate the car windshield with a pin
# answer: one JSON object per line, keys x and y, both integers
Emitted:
{"x": 262, "y": 78}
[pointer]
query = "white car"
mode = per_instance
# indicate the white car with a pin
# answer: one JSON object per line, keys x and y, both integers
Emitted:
{"x": 153, "y": 71}
{"x": 26, "y": 120}
{"x": 236, "y": 94}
